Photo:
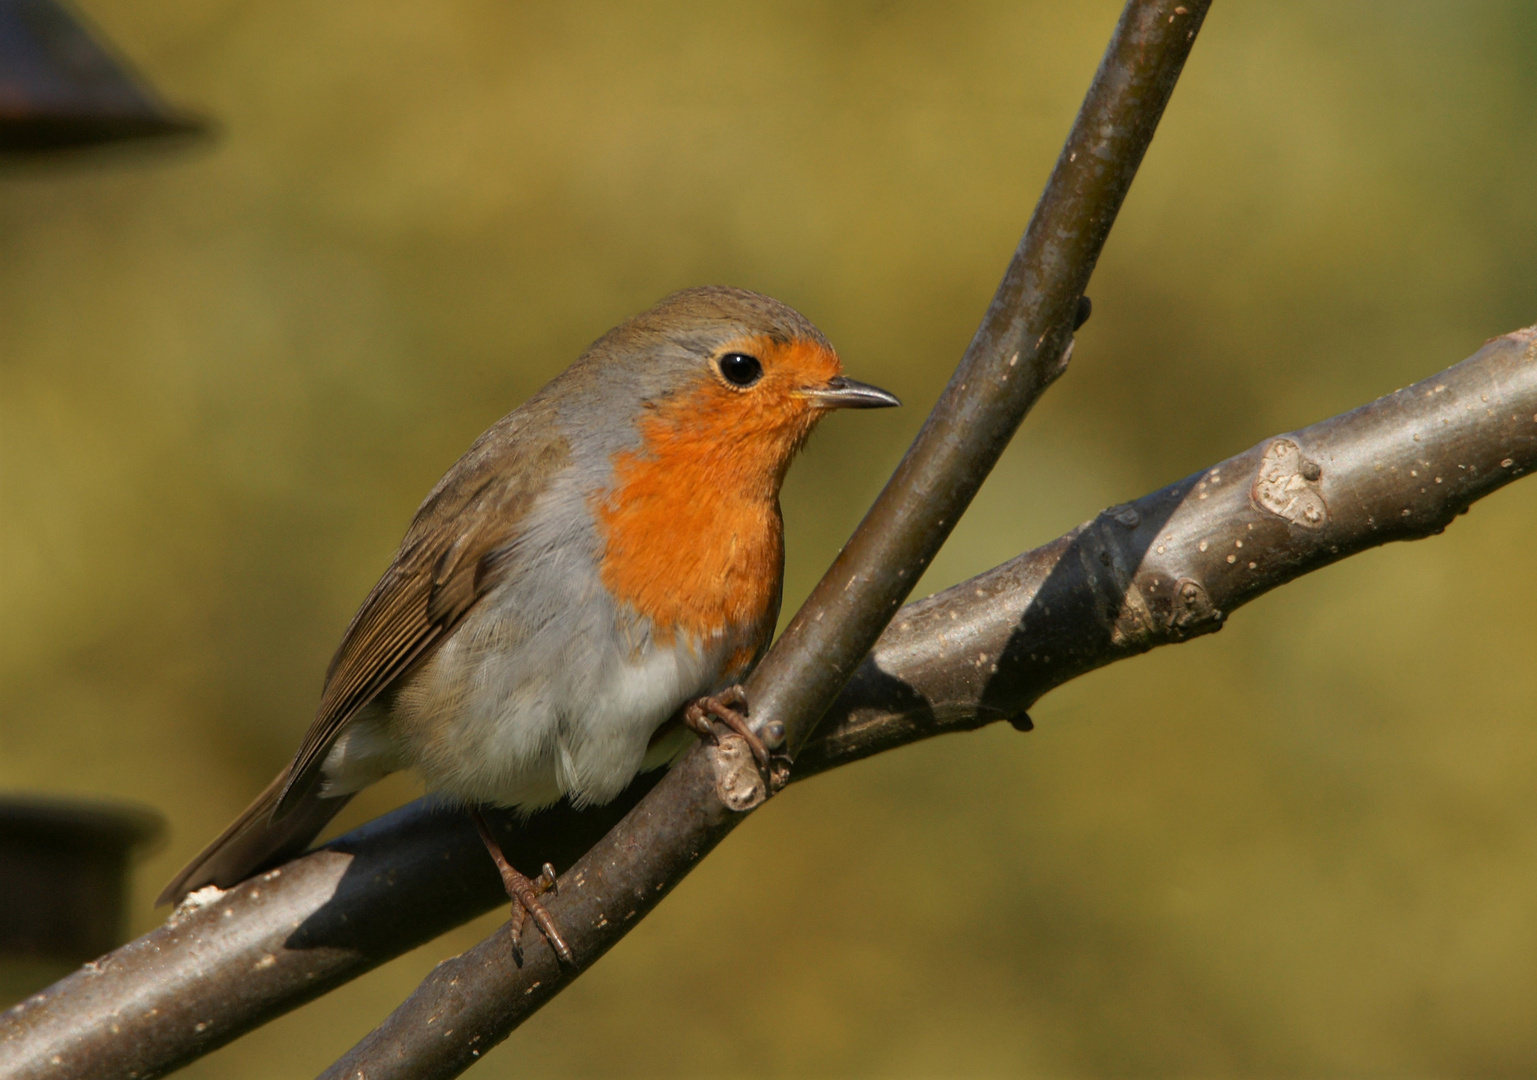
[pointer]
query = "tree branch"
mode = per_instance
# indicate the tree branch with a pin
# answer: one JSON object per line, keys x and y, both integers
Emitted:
{"x": 1043, "y": 618}
{"x": 471, "y": 1003}
{"x": 1176, "y": 563}
{"x": 306, "y": 909}
{"x": 1166, "y": 568}
{"x": 1021, "y": 347}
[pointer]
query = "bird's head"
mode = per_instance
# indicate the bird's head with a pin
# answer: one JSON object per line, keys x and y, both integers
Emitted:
{"x": 733, "y": 379}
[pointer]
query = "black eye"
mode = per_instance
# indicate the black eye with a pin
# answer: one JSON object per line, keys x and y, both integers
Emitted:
{"x": 740, "y": 369}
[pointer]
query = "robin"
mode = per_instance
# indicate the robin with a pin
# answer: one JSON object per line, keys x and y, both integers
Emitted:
{"x": 608, "y": 557}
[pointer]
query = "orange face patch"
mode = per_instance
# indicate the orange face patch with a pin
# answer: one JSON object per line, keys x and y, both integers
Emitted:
{"x": 693, "y": 536}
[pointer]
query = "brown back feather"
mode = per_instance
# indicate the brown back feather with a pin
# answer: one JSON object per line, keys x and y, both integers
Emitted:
{"x": 444, "y": 566}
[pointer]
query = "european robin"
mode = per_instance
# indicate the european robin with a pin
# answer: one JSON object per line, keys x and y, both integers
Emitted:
{"x": 606, "y": 558}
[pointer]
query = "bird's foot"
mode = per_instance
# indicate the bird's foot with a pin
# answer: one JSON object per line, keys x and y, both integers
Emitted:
{"x": 524, "y": 894}
{"x": 725, "y": 707}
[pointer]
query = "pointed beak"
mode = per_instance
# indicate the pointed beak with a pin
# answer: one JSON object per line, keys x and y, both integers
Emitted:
{"x": 842, "y": 393}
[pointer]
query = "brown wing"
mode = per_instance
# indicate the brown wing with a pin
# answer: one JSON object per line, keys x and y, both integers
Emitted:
{"x": 444, "y": 566}
{"x": 253, "y": 842}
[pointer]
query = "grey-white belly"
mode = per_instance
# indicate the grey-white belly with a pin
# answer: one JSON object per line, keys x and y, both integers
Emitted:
{"x": 518, "y": 717}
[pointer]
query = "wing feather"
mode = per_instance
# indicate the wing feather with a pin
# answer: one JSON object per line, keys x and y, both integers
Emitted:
{"x": 445, "y": 564}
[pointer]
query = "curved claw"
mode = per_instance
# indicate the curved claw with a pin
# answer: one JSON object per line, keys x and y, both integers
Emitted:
{"x": 525, "y": 894}
{"x": 723, "y": 707}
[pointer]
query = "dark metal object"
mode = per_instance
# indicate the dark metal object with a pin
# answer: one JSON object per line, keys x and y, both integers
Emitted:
{"x": 60, "y": 87}
{"x": 1043, "y": 618}
{"x": 64, "y": 875}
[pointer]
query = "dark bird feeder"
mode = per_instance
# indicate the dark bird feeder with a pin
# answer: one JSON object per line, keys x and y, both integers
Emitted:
{"x": 64, "y": 875}
{"x": 60, "y": 86}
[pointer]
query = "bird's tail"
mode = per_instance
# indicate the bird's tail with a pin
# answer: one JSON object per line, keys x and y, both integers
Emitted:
{"x": 255, "y": 842}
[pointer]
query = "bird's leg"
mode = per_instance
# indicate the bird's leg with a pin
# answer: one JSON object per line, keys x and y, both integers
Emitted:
{"x": 724, "y": 707}
{"x": 524, "y": 895}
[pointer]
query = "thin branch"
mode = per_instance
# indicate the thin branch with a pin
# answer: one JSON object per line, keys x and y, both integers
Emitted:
{"x": 1167, "y": 568}
{"x": 1021, "y": 347}
{"x": 470, "y": 1004}
{"x": 1043, "y": 618}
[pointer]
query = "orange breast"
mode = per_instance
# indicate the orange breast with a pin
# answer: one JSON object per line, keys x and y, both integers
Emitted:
{"x": 692, "y": 530}
{"x": 689, "y": 560}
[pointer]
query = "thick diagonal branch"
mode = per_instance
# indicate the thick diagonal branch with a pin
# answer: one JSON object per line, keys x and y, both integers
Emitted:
{"x": 1169, "y": 567}
{"x": 1075, "y": 604}
{"x": 1020, "y": 348}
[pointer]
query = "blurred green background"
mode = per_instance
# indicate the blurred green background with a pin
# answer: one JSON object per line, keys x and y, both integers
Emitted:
{"x": 1307, "y": 845}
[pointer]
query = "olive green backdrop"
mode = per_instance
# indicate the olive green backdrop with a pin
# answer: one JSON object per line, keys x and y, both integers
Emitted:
{"x": 1305, "y": 846}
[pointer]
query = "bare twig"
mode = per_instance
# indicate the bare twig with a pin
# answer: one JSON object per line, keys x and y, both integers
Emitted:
{"x": 1140, "y": 585}
{"x": 471, "y": 1003}
{"x": 701, "y": 799}
{"x": 1073, "y": 605}
{"x": 1021, "y": 347}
